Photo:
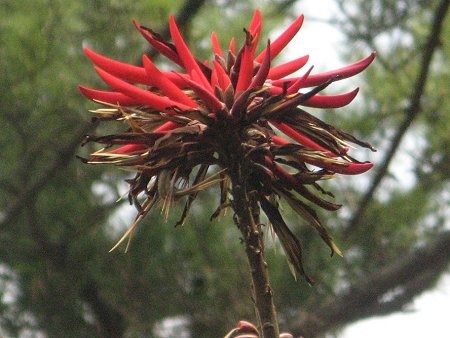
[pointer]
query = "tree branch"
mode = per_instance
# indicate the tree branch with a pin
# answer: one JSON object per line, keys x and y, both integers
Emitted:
{"x": 111, "y": 321}
{"x": 380, "y": 293}
{"x": 62, "y": 157}
{"x": 432, "y": 44}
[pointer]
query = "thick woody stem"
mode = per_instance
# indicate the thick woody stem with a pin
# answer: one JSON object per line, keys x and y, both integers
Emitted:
{"x": 247, "y": 217}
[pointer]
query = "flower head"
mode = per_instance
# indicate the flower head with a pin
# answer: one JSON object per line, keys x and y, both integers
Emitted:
{"x": 187, "y": 129}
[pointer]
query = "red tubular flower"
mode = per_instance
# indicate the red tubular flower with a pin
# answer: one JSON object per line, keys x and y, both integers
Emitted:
{"x": 187, "y": 129}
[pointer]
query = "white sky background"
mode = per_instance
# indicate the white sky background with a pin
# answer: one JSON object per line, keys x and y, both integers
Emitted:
{"x": 429, "y": 314}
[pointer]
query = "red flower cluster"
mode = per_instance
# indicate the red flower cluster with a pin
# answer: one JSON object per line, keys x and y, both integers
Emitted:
{"x": 189, "y": 129}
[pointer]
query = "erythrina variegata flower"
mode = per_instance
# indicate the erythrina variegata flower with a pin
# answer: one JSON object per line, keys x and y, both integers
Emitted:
{"x": 191, "y": 128}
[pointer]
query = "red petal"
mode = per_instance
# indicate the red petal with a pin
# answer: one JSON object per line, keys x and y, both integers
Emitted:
{"x": 256, "y": 23}
{"x": 297, "y": 136}
{"x": 287, "y": 68}
{"x": 160, "y": 46}
{"x": 245, "y": 70}
{"x": 205, "y": 95}
{"x": 283, "y": 174}
{"x": 125, "y": 71}
{"x": 168, "y": 87}
{"x": 277, "y": 46}
{"x": 331, "y": 101}
{"x": 122, "y": 70}
{"x": 166, "y": 126}
{"x": 280, "y": 140}
{"x": 176, "y": 78}
{"x": 108, "y": 97}
{"x": 216, "y": 45}
{"x": 214, "y": 79}
{"x": 222, "y": 76}
{"x": 232, "y": 46}
{"x": 132, "y": 147}
{"x": 143, "y": 96}
{"x": 344, "y": 168}
{"x": 295, "y": 87}
{"x": 263, "y": 71}
{"x": 255, "y": 27}
{"x": 188, "y": 60}
{"x": 129, "y": 148}
{"x": 247, "y": 327}
{"x": 356, "y": 168}
{"x": 345, "y": 72}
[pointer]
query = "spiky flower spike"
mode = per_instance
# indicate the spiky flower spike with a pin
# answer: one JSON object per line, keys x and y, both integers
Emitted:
{"x": 212, "y": 122}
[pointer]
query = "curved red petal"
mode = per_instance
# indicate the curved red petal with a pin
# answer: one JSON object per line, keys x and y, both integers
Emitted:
{"x": 287, "y": 68}
{"x": 128, "y": 148}
{"x": 186, "y": 57}
{"x": 343, "y": 73}
{"x": 263, "y": 71}
{"x": 119, "y": 69}
{"x": 205, "y": 95}
{"x": 166, "y": 127}
{"x": 222, "y": 77}
{"x": 297, "y": 136}
{"x": 295, "y": 87}
{"x": 331, "y": 101}
{"x": 216, "y": 45}
{"x": 143, "y": 96}
{"x": 279, "y": 140}
{"x": 295, "y": 184}
{"x": 345, "y": 168}
{"x": 279, "y": 43}
{"x": 168, "y": 87}
{"x": 232, "y": 45}
{"x": 245, "y": 70}
{"x": 255, "y": 25}
{"x": 282, "y": 141}
{"x": 159, "y": 45}
{"x": 108, "y": 97}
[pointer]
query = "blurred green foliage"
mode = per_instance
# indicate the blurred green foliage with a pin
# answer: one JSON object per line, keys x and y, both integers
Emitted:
{"x": 59, "y": 218}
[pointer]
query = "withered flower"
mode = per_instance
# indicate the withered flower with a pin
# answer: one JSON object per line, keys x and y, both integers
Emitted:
{"x": 234, "y": 121}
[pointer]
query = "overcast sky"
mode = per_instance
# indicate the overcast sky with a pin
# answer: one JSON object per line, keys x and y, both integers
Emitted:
{"x": 428, "y": 316}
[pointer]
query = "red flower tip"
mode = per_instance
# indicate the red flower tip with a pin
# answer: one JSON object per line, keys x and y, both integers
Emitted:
{"x": 287, "y": 68}
{"x": 331, "y": 101}
{"x": 156, "y": 41}
{"x": 122, "y": 70}
{"x": 216, "y": 45}
{"x": 256, "y": 23}
{"x": 285, "y": 37}
{"x": 342, "y": 73}
{"x": 245, "y": 70}
{"x": 142, "y": 96}
{"x": 356, "y": 168}
{"x": 167, "y": 87}
{"x": 115, "y": 98}
{"x": 299, "y": 137}
{"x": 128, "y": 149}
{"x": 187, "y": 59}
{"x": 246, "y": 327}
